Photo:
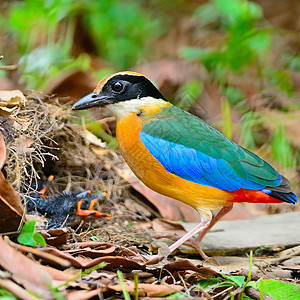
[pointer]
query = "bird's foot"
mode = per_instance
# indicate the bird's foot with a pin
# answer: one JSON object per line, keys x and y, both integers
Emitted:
{"x": 161, "y": 257}
{"x": 193, "y": 242}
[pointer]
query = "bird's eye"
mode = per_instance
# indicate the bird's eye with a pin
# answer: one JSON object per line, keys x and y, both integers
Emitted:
{"x": 117, "y": 87}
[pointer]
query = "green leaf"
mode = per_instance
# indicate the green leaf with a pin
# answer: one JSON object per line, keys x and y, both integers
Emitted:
{"x": 210, "y": 284}
{"x": 6, "y": 295}
{"x": 28, "y": 237}
{"x": 237, "y": 280}
{"x": 28, "y": 227}
{"x": 245, "y": 297}
{"x": 279, "y": 290}
{"x": 39, "y": 239}
{"x": 95, "y": 238}
{"x": 176, "y": 296}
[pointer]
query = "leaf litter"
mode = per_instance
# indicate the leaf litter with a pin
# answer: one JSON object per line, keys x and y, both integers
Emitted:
{"x": 83, "y": 262}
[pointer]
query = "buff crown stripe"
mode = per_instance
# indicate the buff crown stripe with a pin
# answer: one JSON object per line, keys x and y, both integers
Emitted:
{"x": 101, "y": 84}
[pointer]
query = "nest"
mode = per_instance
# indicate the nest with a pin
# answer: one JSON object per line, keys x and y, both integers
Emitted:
{"x": 43, "y": 139}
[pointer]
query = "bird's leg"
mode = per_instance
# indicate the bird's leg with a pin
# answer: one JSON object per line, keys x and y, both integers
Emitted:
{"x": 165, "y": 251}
{"x": 188, "y": 235}
{"x": 195, "y": 242}
{"x": 43, "y": 191}
{"x": 218, "y": 216}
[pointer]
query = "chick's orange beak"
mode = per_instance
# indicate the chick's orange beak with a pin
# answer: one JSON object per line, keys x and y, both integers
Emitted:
{"x": 92, "y": 100}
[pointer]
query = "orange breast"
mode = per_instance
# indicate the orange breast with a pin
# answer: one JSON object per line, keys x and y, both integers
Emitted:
{"x": 151, "y": 172}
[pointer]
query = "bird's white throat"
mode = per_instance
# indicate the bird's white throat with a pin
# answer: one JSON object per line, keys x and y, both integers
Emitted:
{"x": 123, "y": 108}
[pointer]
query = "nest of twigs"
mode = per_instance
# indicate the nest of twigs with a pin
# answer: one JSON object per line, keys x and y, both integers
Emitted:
{"x": 42, "y": 139}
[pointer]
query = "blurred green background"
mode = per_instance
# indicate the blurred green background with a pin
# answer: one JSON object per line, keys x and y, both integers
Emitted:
{"x": 234, "y": 63}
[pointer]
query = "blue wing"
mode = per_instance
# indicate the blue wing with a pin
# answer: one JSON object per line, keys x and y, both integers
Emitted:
{"x": 198, "y": 167}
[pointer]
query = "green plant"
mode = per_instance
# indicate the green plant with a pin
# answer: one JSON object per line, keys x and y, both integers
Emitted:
{"x": 123, "y": 285}
{"x": 6, "y": 295}
{"x": 238, "y": 284}
{"x": 226, "y": 118}
{"x": 245, "y": 46}
{"x": 121, "y": 30}
{"x": 281, "y": 148}
{"x": 29, "y": 237}
{"x": 188, "y": 94}
{"x": 43, "y": 32}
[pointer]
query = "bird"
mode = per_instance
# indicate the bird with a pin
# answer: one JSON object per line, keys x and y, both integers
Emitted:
{"x": 181, "y": 156}
{"x": 65, "y": 209}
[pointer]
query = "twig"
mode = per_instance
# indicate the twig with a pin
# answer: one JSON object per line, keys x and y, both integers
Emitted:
{"x": 9, "y": 68}
{"x": 222, "y": 292}
{"x": 255, "y": 294}
{"x": 275, "y": 261}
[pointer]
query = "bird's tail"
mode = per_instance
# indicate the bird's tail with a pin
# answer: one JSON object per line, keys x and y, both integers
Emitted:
{"x": 285, "y": 197}
{"x": 282, "y": 192}
{"x": 278, "y": 194}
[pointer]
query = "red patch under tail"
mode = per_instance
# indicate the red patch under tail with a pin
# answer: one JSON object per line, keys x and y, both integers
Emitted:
{"x": 250, "y": 196}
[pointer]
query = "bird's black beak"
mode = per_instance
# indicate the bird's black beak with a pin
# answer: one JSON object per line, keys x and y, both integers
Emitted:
{"x": 92, "y": 100}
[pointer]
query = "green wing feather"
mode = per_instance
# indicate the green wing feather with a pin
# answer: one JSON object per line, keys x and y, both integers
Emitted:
{"x": 175, "y": 125}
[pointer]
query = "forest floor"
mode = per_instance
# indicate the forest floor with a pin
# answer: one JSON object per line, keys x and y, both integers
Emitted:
{"x": 112, "y": 257}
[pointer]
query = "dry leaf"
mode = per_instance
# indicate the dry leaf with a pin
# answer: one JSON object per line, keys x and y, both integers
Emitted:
{"x": 2, "y": 151}
{"x": 56, "y": 237}
{"x": 57, "y": 274}
{"x": 43, "y": 254}
{"x": 21, "y": 126}
{"x": 11, "y": 208}
{"x": 92, "y": 139}
{"x": 73, "y": 85}
{"x": 150, "y": 290}
{"x": 16, "y": 289}
{"x": 10, "y": 100}
{"x": 166, "y": 226}
{"x": 23, "y": 145}
{"x": 83, "y": 295}
{"x": 25, "y": 271}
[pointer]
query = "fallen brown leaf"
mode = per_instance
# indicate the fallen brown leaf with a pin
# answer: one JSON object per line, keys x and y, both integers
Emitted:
{"x": 11, "y": 208}
{"x": 83, "y": 295}
{"x": 16, "y": 289}
{"x": 25, "y": 271}
{"x": 43, "y": 254}
{"x": 24, "y": 144}
{"x": 112, "y": 261}
{"x": 166, "y": 226}
{"x": 57, "y": 274}
{"x": 99, "y": 250}
{"x": 150, "y": 290}
{"x": 56, "y": 237}
{"x": 2, "y": 151}
{"x": 10, "y": 100}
